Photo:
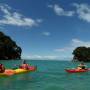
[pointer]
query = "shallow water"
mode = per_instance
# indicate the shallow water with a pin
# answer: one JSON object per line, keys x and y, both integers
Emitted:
{"x": 50, "y": 75}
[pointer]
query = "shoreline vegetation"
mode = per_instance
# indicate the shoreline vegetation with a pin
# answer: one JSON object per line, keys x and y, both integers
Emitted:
{"x": 81, "y": 54}
{"x": 8, "y": 48}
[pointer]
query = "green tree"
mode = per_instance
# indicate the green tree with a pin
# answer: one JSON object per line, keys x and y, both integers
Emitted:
{"x": 82, "y": 54}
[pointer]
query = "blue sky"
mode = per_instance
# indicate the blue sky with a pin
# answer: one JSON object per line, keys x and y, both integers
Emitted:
{"x": 46, "y": 29}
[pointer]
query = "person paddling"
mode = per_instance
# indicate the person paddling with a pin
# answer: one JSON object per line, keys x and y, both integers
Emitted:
{"x": 24, "y": 65}
{"x": 81, "y": 66}
{"x": 2, "y": 68}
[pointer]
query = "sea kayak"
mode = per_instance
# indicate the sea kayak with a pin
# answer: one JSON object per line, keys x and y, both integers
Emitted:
{"x": 10, "y": 72}
{"x": 76, "y": 70}
{"x": 21, "y": 70}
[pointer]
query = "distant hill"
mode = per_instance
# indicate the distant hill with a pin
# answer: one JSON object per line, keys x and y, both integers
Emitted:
{"x": 8, "y": 48}
{"x": 82, "y": 54}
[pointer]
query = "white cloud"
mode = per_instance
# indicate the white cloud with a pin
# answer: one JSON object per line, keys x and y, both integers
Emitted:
{"x": 40, "y": 57}
{"x": 47, "y": 57}
{"x": 46, "y": 33}
{"x": 60, "y": 11}
{"x": 35, "y": 57}
{"x": 39, "y": 20}
{"x": 62, "y": 49}
{"x": 15, "y": 18}
{"x": 83, "y": 11}
{"x": 50, "y": 6}
{"x": 77, "y": 42}
{"x": 73, "y": 44}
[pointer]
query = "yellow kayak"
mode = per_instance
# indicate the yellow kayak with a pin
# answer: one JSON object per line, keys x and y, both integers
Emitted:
{"x": 10, "y": 72}
{"x": 21, "y": 70}
{"x": 18, "y": 71}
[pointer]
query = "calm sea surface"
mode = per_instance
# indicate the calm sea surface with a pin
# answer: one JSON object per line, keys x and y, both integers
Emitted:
{"x": 50, "y": 75}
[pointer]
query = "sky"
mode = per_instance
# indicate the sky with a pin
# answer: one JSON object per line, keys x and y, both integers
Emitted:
{"x": 46, "y": 29}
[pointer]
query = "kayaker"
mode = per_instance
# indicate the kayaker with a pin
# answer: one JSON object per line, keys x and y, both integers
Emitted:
{"x": 24, "y": 62}
{"x": 2, "y": 68}
{"x": 24, "y": 65}
{"x": 81, "y": 66}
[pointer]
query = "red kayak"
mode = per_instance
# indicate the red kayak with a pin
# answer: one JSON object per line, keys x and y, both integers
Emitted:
{"x": 31, "y": 68}
{"x": 77, "y": 70}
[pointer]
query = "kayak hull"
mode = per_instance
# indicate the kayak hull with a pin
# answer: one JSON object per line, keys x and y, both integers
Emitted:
{"x": 21, "y": 70}
{"x": 76, "y": 70}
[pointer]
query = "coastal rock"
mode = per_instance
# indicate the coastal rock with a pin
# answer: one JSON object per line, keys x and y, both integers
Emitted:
{"x": 8, "y": 48}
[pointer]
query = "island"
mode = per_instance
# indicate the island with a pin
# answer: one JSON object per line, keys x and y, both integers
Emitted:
{"x": 8, "y": 48}
{"x": 81, "y": 54}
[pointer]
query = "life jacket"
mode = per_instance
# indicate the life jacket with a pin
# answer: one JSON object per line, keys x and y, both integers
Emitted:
{"x": 24, "y": 66}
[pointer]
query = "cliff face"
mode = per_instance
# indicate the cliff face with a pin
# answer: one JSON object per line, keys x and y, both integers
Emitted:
{"x": 8, "y": 48}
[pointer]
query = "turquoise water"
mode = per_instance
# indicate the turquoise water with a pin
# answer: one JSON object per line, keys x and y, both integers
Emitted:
{"x": 50, "y": 75}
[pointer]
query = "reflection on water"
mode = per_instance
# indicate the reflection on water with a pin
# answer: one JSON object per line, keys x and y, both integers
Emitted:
{"x": 15, "y": 82}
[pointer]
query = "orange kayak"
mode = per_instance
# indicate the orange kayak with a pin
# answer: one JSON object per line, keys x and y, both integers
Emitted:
{"x": 8, "y": 72}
